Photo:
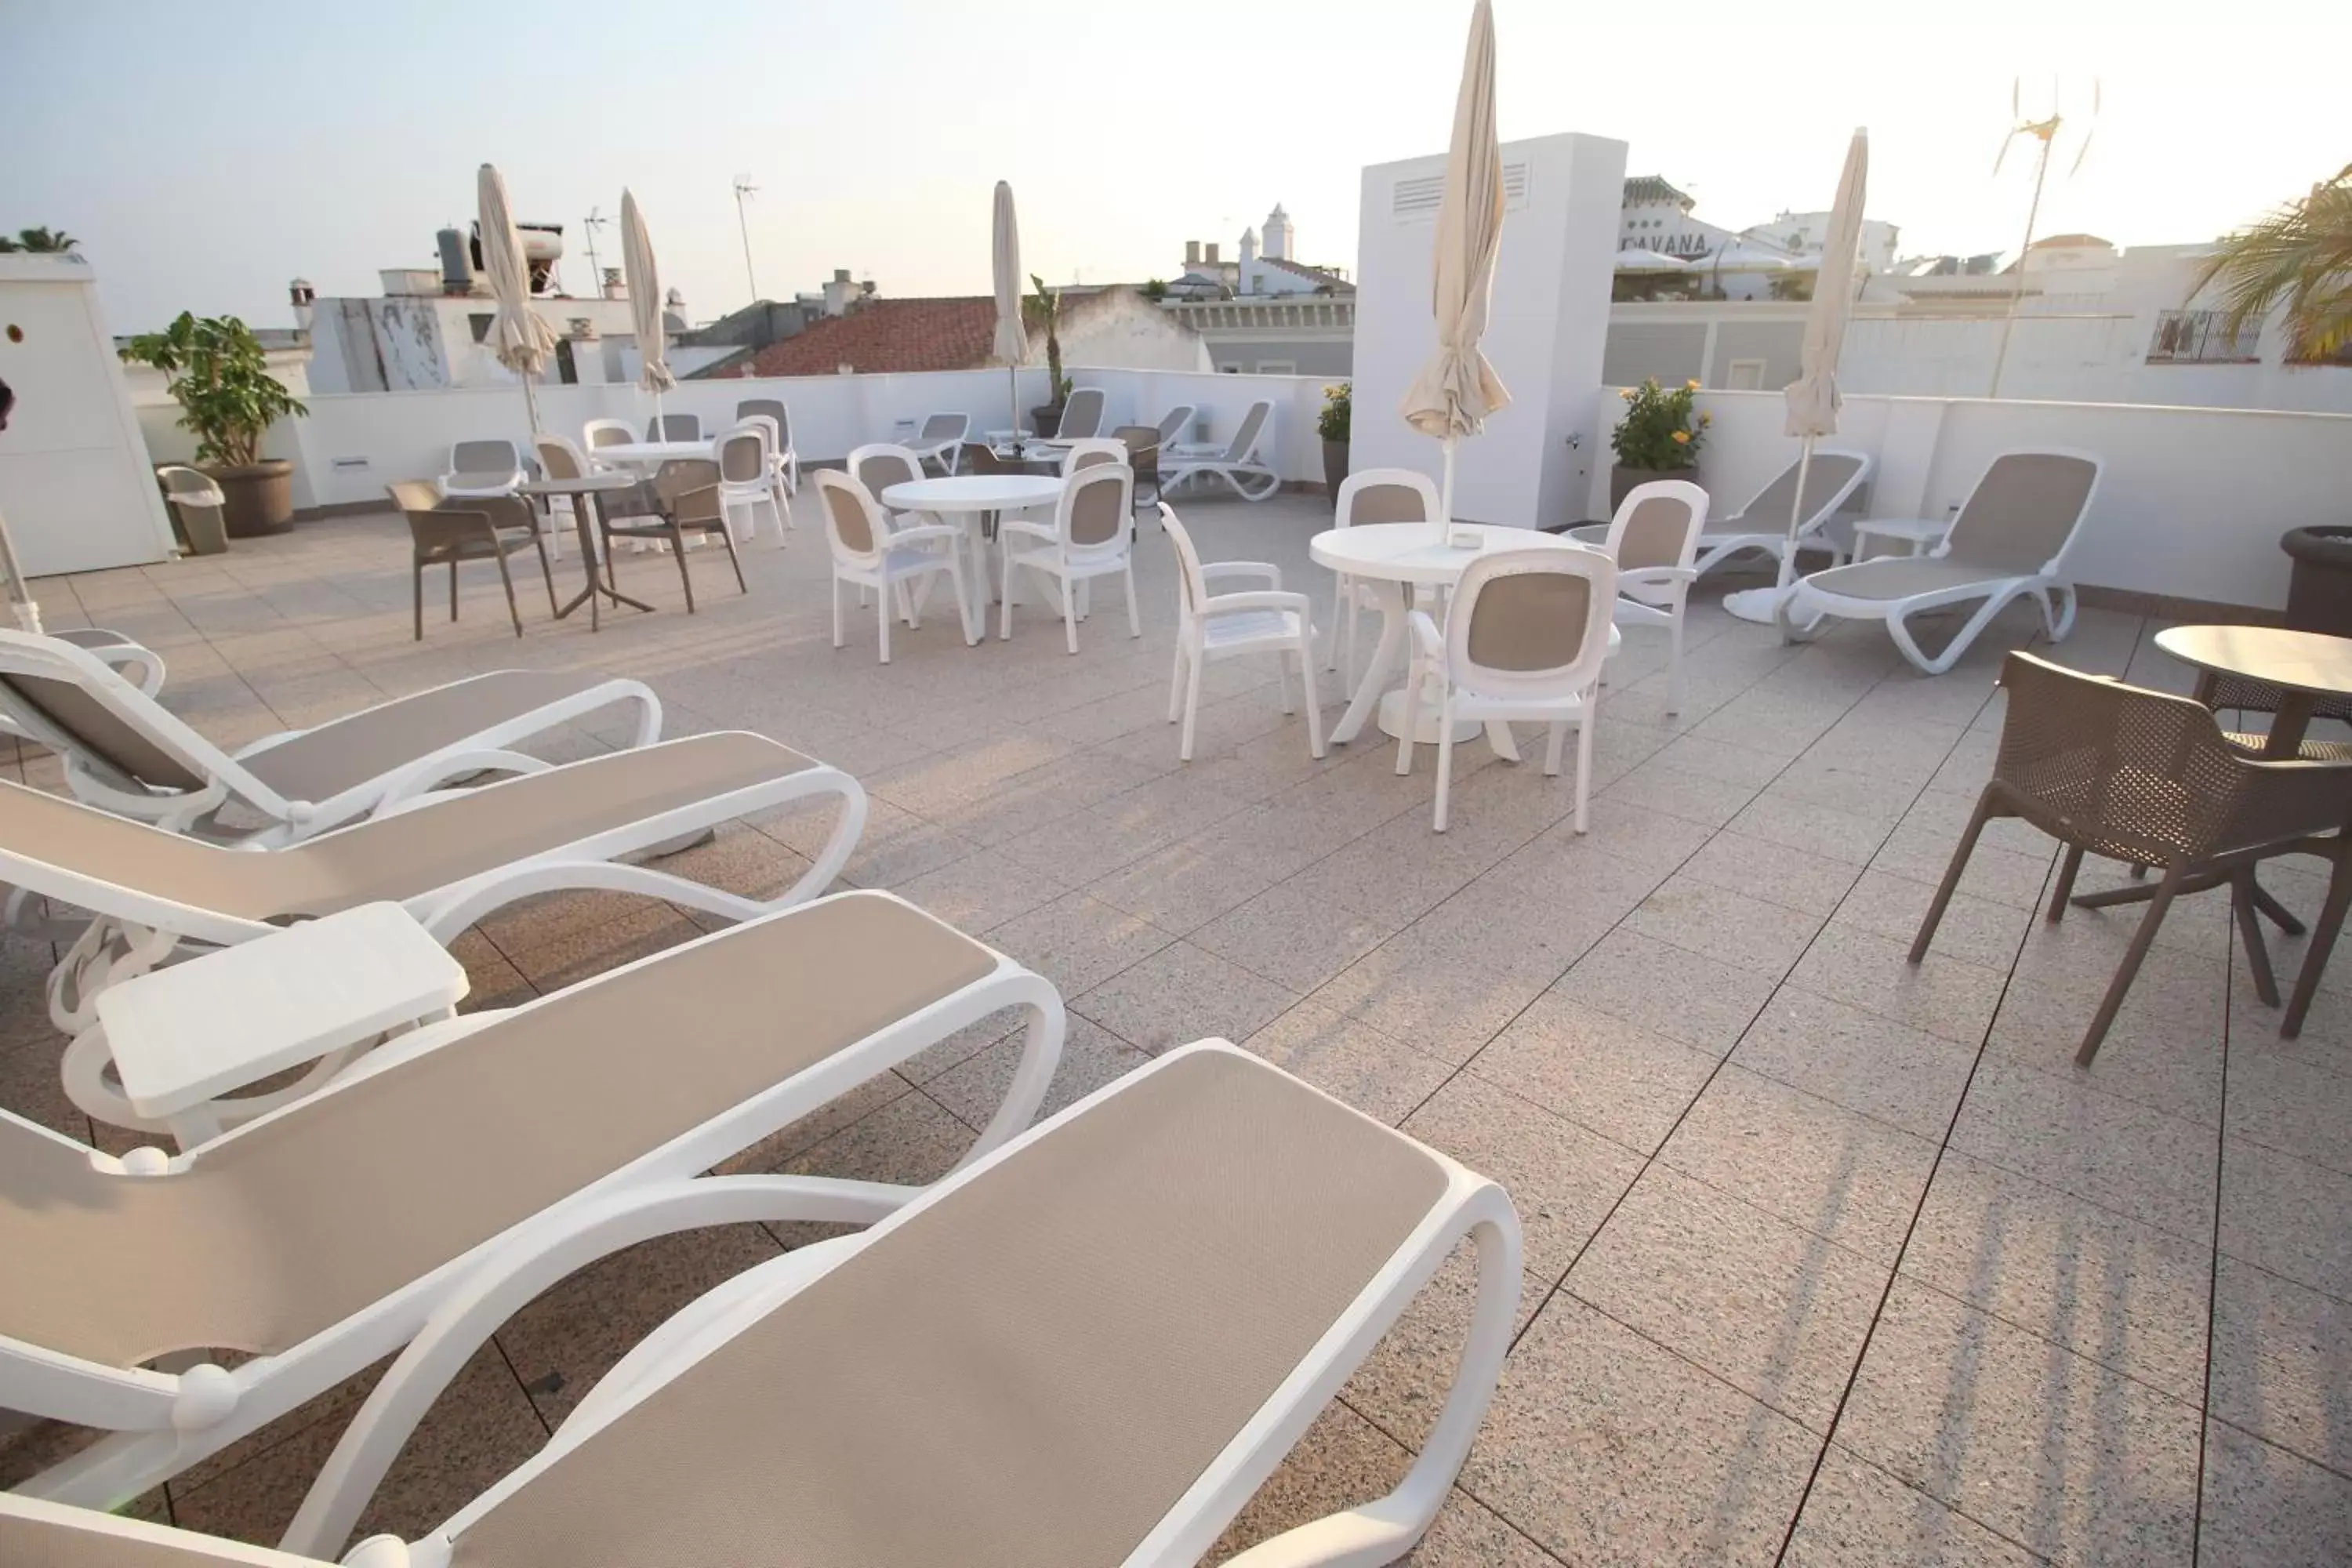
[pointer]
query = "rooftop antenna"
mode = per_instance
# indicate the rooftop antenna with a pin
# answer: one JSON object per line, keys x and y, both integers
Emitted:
{"x": 745, "y": 188}
{"x": 2045, "y": 131}
{"x": 589, "y": 226}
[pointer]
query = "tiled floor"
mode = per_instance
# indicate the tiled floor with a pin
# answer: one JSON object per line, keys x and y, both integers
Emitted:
{"x": 1829, "y": 1260}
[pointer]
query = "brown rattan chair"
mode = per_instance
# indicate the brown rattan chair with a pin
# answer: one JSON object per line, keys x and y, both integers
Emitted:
{"x": 1143, "y": 456}
{"x": 2142, "y": 776}
{"x": 685, "y": 501}
{"x": 446, "y": 531}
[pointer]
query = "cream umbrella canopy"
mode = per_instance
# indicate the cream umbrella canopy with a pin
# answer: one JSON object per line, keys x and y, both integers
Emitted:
{"x": 1812, "y": 398}
{"x": 521, "y": 341}
{"x": 1012, "y": 342}
{"x": 644, "y": 304}
{"x": 1457, "y": 389}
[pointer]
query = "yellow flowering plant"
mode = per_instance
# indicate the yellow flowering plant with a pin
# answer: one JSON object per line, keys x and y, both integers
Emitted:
{"x": 1660, "y": 430}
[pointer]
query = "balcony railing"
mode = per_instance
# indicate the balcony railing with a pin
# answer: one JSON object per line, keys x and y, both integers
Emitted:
{"x": 2203, "y": 337}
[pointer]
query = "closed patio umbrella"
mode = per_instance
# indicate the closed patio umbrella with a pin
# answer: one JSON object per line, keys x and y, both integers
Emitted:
{"x": 644, "y": 304}
{"x": 1812, "y": 398}
{"x": 521, "y": 341}
{"x": 1012, "y": 342}
{"x": 1640, "y": 260}
{"x": 1457, "y": 389}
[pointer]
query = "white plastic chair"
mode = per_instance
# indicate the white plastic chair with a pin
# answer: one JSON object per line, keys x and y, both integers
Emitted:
{"x": 747, "y": 479}
{"x": 674, "y": 427}
{"x": 878, "y": 465}
{"x": 779, "y": 489}
{"x": 788, "y": 460}
{"x": 1094, "y": 450}
{"x": 1237, "y": 462}
{"x": 1654, "y": 539}
{"x": 940, "y": 440}
{"x": 1224, "y": 626}
{"x": 1092, "y": 535}
{"x": 1376, "y": 495}
{"x": 482, "y": 468}
{"x": 1525, "y": 639}
{"x": 868, "y": 550}
{"x": 601, "y": 433}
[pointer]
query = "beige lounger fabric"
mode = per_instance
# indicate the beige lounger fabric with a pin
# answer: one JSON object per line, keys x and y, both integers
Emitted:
{"x": 1769, "y": 512}
{"x": 38, "y": 1544}
{"x": 288, "y": 1225}
{"x": 108, "y": 740}
{"x": 1030, "y": 1374}
{"x": 1892, "y": 578}
{"x": 398, "y": 857}
{"x": 320, "y": 764}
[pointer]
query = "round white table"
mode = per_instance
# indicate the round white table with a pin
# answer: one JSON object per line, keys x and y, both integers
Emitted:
{"x": 1404, "y": 556}
{"x": 977, "y": 499}
{"x": 655, "y": 451}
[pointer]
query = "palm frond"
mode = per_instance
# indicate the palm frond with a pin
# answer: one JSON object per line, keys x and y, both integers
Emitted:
{"x": 2300, "y": 256}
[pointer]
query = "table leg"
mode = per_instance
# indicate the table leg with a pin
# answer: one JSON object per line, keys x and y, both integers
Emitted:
{"x": 1388, "y": 663}
{"x": 585, "y": 517}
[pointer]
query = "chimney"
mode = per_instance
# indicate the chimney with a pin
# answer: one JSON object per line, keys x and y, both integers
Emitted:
{"x": 304, "y": 298}
{"x": 1211, "y": 256}
{"x": 839, "y": 292}
{"x": 1192, "y": 253}
{"x": 616, "y": 288}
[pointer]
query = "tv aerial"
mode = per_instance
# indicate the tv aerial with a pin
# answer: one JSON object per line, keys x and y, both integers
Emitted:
{"x": 744, "y": 190}
{"x": 589, "y": 226}
{"x": 2045, "y": 133}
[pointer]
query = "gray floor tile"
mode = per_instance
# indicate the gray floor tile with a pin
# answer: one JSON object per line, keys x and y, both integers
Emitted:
{"x": 1615, "y": 1078}
{"x": 1347, "y": 1057}
{"x": 1858, "y": 1516}
{"x": 1901, "y": 1076}
{"x": 1696, "y": 1001}
{"x": 2287, "y": 1216}
{"x": 2066, "y": 1134}
{"x": 1180, "y": 994}
{"x": 1730, "y": 927}
{"x": 2283, "y": 1364}
{"x": 2264, "y": 1506}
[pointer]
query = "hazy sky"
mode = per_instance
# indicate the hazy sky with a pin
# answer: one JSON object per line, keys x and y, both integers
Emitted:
{"x": 206, "y": 152}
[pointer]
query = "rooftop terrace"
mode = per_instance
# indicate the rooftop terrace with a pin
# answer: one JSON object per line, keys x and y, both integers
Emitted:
{"x": 1829, "y": 1260}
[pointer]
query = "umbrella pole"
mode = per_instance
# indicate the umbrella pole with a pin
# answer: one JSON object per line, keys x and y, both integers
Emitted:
{"x": 1013, "y": 401}
{"x": 1445, "y": 491}
{"x": 1796, "y": 515}
{"x": 530, "y": 405}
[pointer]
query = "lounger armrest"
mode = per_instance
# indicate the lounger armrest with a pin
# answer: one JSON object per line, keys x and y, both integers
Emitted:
{"x": 525, "y": 1262}
{"x": 1266, "y": 570}
{"x": 1264, "y": 599}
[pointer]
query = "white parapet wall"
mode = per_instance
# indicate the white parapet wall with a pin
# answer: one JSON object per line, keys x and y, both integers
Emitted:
{"x": 2190, "y": 504}
{"x": 1549, "y": 319}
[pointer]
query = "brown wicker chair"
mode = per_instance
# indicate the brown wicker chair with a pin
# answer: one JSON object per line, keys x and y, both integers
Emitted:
{"x": 2141, "y": 776}
{"x": 683, "y": 497}
{"x": 1143, "y": 456}
{"x": 446, "y": 531}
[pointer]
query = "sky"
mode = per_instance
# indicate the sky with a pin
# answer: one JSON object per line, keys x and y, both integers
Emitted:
{"x": 207, "y": 154}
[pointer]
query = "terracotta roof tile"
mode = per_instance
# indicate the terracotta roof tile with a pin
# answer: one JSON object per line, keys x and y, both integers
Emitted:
{"x": 885, "y": 335}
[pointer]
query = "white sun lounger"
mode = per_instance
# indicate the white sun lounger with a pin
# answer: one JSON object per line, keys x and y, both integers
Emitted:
{"x": 1237, "y": 463}
{"x": 2010, "y": 539}
{"x": 1091, "y": 1346}
{"x": 325, "y": 1236}
{"x": 449, "y": 859}
{"x": 124, "y": 751}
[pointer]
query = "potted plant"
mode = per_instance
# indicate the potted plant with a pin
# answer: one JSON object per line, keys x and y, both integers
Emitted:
{"x": 1046, "y": 311}
{"x": 228, "y": 397}
{"x": 1658, "y": 439}
{"x": 1332, "y": 425}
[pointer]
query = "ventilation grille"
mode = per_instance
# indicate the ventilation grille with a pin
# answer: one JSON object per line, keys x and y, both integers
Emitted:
{"x": 1417, "y": 200}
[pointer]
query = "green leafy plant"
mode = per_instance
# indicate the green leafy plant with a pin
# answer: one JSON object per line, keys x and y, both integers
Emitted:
{"x": 39, "y": 241}
{"x": 1155, "y": 289}
{"x": 2301, "y": 254}
{"x": 1660, "y": 430}
{"x": 1792, "y": 286}
{"x": 1046, "y": 311}
{"x": 221, "y": 377}
{"x": 1338, "y": 411}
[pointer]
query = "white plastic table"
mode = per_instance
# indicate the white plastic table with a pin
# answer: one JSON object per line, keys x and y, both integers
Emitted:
{"x": 1921, "y": 533}
{"x": 1404, "y": 556}
{"x": 182, "y": 1036}
{"x": 655, "y": 451}
{"x": 976, "y": 501}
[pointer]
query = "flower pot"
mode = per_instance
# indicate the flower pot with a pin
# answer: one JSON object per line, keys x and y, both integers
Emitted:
{"x": 1046, "y": 421}
{"x": 2319, "y": 593}
{"x": 1335, "y": 466}
{"x": 1622, "y": 481}
{"x": 256, "y": 500}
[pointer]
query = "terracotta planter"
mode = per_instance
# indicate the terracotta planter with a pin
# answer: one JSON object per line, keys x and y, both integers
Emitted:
{"x": 1046, "y": 421}
{"x": 1622, "y": 481}
{"x": 1335, "y": 466}
{"x": 259, "y": 499}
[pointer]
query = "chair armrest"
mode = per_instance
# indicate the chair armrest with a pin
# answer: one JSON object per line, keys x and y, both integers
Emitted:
{"x": 1265, "y": 569}
{"x": 698, "y": 505}
{"x": 1658, "y": 576}
{"x": 1023, "y": 525}
{"x": 924, "y": 532}
{"x": 1232, "y": 604}
{"x": 449, "y": 524}
{"x": 1428, "y": 643}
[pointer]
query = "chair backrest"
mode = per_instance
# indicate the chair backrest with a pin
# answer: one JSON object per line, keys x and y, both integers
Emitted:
{"x": 188, "y": 487}
{"x": 743, "y": 455}
{"x": 74, "y": 704}
{"x": 1175, "y": 423}
{"x": 2024, "y": 512}
{"x": 853, "y": 523}
{"x": 1532, "y": 622}
{"x": 674, "y": 427}
{"x": 878, "y": 465}
{"x": 1191, "y": 584}
{"x": 486, "y": 457}
{"x": 1142, "y": 443}
{"x": 601, "y": 433}
{"x": 1246, "y": 437}
{"x": 1094, "y": 450}
{"x": 1830, "y": 483}
{"x": 560, "y": 458}
{"x": 980, "y": 457}
{"x": 1082, "y": 415}
{"x": 1386, "y": 495}
{"x": 1658, "y": 525}
{"x": 1093, "y": 515}
{"x": 948, "y": 427}
{"x": 769, "y": 408}
{"x": 414, "y": 495}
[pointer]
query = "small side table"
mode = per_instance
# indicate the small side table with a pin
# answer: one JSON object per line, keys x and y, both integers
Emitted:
{"x": 587, "y": 511}
{"x": 183, "y": 1035}
{"x": 1922, "y": 533}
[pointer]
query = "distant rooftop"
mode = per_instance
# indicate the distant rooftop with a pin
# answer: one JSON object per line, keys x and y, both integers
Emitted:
{"x": 880, "y": 336}
{"x": 1644, "y": 188}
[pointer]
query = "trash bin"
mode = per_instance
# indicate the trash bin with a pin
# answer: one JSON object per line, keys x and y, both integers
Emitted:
{"x": 2320, "y": 595}
{"x": 197, "y": 508}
